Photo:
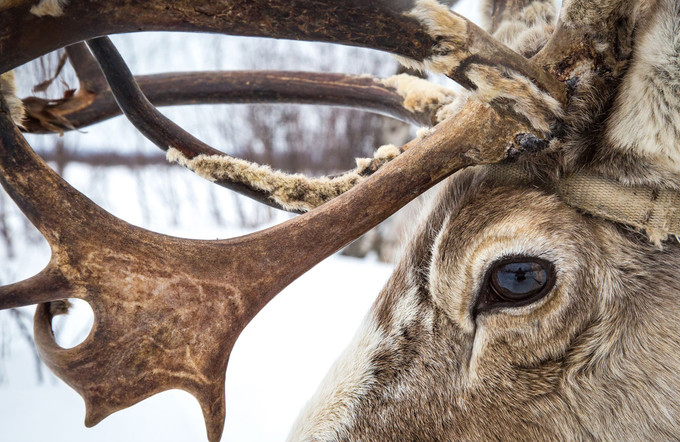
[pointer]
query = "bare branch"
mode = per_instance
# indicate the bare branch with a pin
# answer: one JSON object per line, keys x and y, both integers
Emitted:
{"x": 25, "y": 330}
{"x": 109, "y": 158}
{"x": 361, "y": 92}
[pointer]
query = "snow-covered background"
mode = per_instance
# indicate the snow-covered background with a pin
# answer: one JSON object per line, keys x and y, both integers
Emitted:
{"x": 281, "y": 357}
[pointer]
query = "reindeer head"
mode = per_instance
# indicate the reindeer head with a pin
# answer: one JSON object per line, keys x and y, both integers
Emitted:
{"x": 535, "y": 298}
{"x": 512, "y": 316}
{"x": 520, "y": 311}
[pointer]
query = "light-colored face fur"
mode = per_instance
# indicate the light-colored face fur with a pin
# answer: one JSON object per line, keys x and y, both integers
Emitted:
{"x": 596, "y": 358}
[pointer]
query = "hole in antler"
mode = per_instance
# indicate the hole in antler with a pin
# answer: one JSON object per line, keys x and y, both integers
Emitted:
{"x": 72, "y": 321}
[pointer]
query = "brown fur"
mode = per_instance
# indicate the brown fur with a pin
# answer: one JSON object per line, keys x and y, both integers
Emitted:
{"x": 525, "y": 27}
{"x": 52, "y": 8}
{"x": 294, "y": 192}
{"x": 598, "y": 358}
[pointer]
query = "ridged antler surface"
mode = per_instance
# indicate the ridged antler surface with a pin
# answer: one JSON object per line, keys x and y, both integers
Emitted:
{"x": 163, "y": 318}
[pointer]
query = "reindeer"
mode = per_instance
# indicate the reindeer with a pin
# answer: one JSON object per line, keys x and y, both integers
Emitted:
{"x": 535, "y": 300}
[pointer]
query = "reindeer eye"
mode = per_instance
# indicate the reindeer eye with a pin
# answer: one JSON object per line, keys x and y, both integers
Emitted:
{"x": 516, "y": 281}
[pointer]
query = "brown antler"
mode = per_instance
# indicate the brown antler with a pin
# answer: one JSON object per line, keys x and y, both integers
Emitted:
{"x": 171, "y": 89}
{"x": 377, "y": 24}
{"x": 295, "y": 193}
{"x": 168, "y": 310}
{"x": 163, "y": 318}
{"x": 421, "y": 32}
{"x": 93, "y": 101}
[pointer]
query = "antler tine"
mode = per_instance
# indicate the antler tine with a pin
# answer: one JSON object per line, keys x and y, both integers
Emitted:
{"x": 151, "y": 123}
{"x": 289, "y": 192}
{"x": 93, "y": 101}
{"x": 48, "y": 285}
{"x": 158, "y": 309}
{"x": 35, "y": 189}
{"x": 424, "y": 33}
{"x": 226, "y": 87}
{"x": 89, "y": 75}
{"x": 379, "y": 24}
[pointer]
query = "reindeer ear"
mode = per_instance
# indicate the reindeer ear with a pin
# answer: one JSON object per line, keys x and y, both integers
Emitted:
{"x": 646, "y": 116}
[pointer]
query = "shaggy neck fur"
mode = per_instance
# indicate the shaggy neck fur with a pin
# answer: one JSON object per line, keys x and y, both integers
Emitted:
{"x": 646, "y": 119}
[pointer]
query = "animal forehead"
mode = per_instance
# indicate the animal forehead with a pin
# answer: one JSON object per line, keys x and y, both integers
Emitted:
{"x": 508, "y": 208}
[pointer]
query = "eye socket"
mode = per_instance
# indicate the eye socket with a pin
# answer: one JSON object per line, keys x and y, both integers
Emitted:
{"x": 516, "y": 281}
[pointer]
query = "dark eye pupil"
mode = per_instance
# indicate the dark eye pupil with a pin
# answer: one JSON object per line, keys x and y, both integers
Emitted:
{"x": 515, "y": 281}
{"x": 519, "y": 280}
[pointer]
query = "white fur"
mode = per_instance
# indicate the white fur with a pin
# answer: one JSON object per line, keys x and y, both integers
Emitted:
{"x": 14, "y": 103}
{"x": 282, "y": 187}
{"x": 451, "y": 110}
{"x": 478, "y": 346}
{"x": 419, "y": 94}
{"x": 330, "y": 410}
{"x": 52, "y": 8}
